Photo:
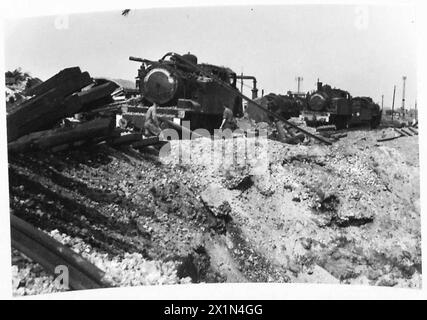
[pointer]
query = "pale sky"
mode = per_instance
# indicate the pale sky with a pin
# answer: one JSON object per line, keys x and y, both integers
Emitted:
{"x": 365, "y": 50}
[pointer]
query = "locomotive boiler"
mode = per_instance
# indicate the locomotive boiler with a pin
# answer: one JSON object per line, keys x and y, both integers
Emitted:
{"x": 182, "y": 93}
{"x": 329, "y": 105}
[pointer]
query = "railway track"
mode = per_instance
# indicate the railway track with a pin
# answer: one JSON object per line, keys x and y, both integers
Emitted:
{"x": 50, "y": 254}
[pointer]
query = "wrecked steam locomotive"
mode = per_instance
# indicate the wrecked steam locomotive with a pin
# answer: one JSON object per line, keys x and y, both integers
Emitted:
{"x": 324, "y": 106}
{"x": 182, "y": 93}
{"x": 329, "y": 105}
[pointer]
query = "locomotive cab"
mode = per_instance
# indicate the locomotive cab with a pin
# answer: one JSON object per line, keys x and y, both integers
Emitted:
{"x": 365, "y": 111}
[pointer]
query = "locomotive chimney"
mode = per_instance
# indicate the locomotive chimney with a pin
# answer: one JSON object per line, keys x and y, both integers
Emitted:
{"x": 190, "y": 58}
{"x": 254, "y": 90}
{"x": 319, "y": 85}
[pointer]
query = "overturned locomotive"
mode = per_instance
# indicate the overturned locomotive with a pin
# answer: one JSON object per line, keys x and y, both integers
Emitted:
{"x": 329, "y": 105}
{"x": 182, "y": 93}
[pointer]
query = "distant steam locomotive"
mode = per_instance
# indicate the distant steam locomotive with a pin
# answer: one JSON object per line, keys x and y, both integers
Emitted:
{"x": 324, "y": 106}
{"x": 184, "y": 94}
{"x": 329, "y": 105}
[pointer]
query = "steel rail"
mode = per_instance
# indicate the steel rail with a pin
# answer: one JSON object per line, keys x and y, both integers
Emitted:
{"x": 50, "y": 253}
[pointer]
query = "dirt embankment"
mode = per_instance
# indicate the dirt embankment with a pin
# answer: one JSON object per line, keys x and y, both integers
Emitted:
{"x": 343, "y": 213}
{"x": 118, "y": 208}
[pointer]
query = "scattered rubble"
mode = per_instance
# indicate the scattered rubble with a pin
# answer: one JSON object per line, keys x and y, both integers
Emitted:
{"x": 411, "y": 131}
{"x": 330, "y": 211}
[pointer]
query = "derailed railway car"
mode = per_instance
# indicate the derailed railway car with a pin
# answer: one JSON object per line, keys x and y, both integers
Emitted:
{"x": 182, "y": 93}
{"x": 337, "y": 107}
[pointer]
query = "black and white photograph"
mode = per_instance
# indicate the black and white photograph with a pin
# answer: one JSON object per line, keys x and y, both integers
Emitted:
{"x": 224, "y": 144}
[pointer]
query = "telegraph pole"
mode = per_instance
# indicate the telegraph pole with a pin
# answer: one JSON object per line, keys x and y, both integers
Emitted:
{"x": 403, "y": 95}
{"x": 382, "y": 102}
{"x": 416, "y": 111}
{"x": 392, "y": 106}
{"x": 299, "y": 80}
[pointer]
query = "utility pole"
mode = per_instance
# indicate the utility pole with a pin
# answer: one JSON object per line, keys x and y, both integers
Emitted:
{"x": 392, "y": 106}
{"x": 299, "y": 80}
{"x": 241, "y": 83}
{"x": 382, "y": 102}
{"x": 416, "y": 111}
{"x": 403, "y": 95}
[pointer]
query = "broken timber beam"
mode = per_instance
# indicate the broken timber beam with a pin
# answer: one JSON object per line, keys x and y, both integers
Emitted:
{"x": 338, "y": 135}
{"x": 408, "y": 133}
{"x": 104, "y": 111}
{"x": 52, "y": 102}
{"x": 92, "y": 141}
{"x": 69, "y": 80}
{"x": 66, "y": 146}
{"x": 96, "y": 93}
{"x": 50, "y": 138}
{"x": 145, "y": 142}
{"x": 39, "y": 113}
{"x": 413, "y": 130}
{"x": 388, "y": 139}
{"x": 127, "y": 139}
{"x": 402, "y": 133}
